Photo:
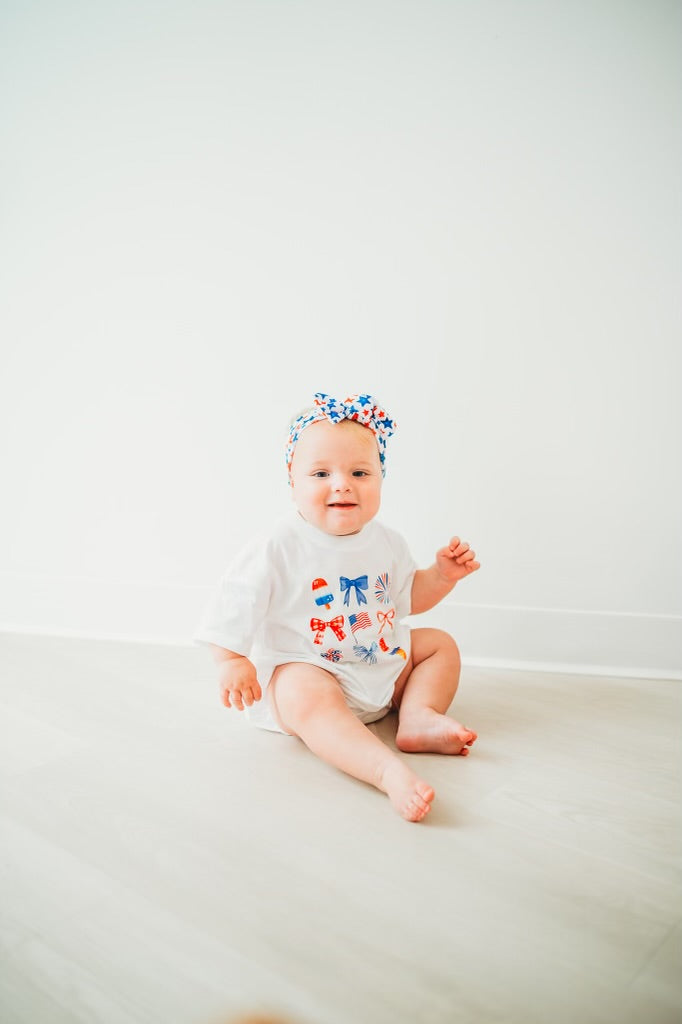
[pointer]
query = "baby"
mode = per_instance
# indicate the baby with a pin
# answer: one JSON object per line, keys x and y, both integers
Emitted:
{"x": 307, "y": 629}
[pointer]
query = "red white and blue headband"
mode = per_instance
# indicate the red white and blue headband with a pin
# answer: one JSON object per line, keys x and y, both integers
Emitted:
{"x": 361, "y": 409}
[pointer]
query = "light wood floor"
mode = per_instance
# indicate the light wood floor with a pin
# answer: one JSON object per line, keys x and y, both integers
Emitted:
{"x": 163, "y": 862}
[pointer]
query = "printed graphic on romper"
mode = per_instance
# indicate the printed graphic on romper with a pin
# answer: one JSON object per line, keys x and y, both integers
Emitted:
{"x": 360, "y": 620}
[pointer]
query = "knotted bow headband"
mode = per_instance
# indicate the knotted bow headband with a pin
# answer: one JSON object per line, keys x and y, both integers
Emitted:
{"x": 361, "y": 409}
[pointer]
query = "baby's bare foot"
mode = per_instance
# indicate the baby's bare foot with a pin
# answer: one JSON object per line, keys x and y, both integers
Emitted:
{"x": 410, "y": 795}
{"x": 427, "y": 731}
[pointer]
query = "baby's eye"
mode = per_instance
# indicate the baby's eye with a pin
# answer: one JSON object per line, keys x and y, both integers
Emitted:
{"x": 359, "y": 472}
{"x": 321, "y": 473}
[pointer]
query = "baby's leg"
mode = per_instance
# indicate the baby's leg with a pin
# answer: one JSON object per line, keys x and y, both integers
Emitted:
{"x": 425, "y": 691}
{"x": 309, "y": 703}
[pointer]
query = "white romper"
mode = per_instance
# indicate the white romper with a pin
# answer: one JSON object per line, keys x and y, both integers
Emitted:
{"x": 302, "y": 595}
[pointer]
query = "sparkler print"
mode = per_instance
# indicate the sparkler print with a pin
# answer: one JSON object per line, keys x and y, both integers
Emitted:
{"x": 368, "y": 654}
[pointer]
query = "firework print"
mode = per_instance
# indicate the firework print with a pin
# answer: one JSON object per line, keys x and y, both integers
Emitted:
{"x": 331, "y": 655}
{"x": 381, "y": 588}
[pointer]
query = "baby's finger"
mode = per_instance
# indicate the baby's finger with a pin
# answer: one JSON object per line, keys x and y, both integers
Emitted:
{"x": 249, "y": 696}
{"x": 459, "y": 548}
{"x": 236, "y": 698}
{"x": 466, "y": 556}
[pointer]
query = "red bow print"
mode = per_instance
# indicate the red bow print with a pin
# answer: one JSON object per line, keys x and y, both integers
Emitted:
{"x": 335, "y": 625}
{"x": 386, "y": 619}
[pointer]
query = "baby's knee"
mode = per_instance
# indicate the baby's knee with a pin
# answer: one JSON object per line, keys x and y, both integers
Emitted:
{"x": 448, "y": 647}
{"x": 299, "y": 690}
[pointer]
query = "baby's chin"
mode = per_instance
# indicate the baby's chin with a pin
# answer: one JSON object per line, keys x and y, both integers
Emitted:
{"x": 340, "y": 529}
{"x": 334, "y": 525}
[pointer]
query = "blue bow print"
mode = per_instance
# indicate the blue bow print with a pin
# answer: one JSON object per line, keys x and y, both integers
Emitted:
{"x": 360, "y": 584}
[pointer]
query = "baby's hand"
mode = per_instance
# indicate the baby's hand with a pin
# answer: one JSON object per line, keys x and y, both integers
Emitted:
{"x": 456, "y": 561}
{"x": 239, "y": 685}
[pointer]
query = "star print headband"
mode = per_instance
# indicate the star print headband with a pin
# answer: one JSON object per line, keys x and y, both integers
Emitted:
{"x": 361, "y": 409}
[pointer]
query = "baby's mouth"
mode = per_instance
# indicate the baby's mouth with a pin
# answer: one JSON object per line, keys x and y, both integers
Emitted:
{"x": 341, "y": 504}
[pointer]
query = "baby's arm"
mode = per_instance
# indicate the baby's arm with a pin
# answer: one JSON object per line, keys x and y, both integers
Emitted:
{"x": 452, "y": 564}
{"x": 237, "y": 678}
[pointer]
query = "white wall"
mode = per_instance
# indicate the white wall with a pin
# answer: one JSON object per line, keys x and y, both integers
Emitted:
{"x": 212, "y": 210}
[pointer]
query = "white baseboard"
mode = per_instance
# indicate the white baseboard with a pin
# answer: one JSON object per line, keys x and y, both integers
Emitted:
{"x": 541, "y": 639}
{"x": 80, "y": 606}
{"x": 564, "y": 640}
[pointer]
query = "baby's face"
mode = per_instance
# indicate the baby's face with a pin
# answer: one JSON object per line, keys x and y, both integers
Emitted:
{"x": 336, "y": 476}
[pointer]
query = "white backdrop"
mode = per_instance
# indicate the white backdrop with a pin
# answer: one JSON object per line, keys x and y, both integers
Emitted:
{"x": 472, "y": 209}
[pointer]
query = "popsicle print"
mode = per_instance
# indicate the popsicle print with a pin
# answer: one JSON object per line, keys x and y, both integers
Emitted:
{"x": 322, "y": 594}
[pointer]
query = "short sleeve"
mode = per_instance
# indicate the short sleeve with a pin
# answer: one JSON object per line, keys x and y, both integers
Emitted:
{"x": 239, "y": 605}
